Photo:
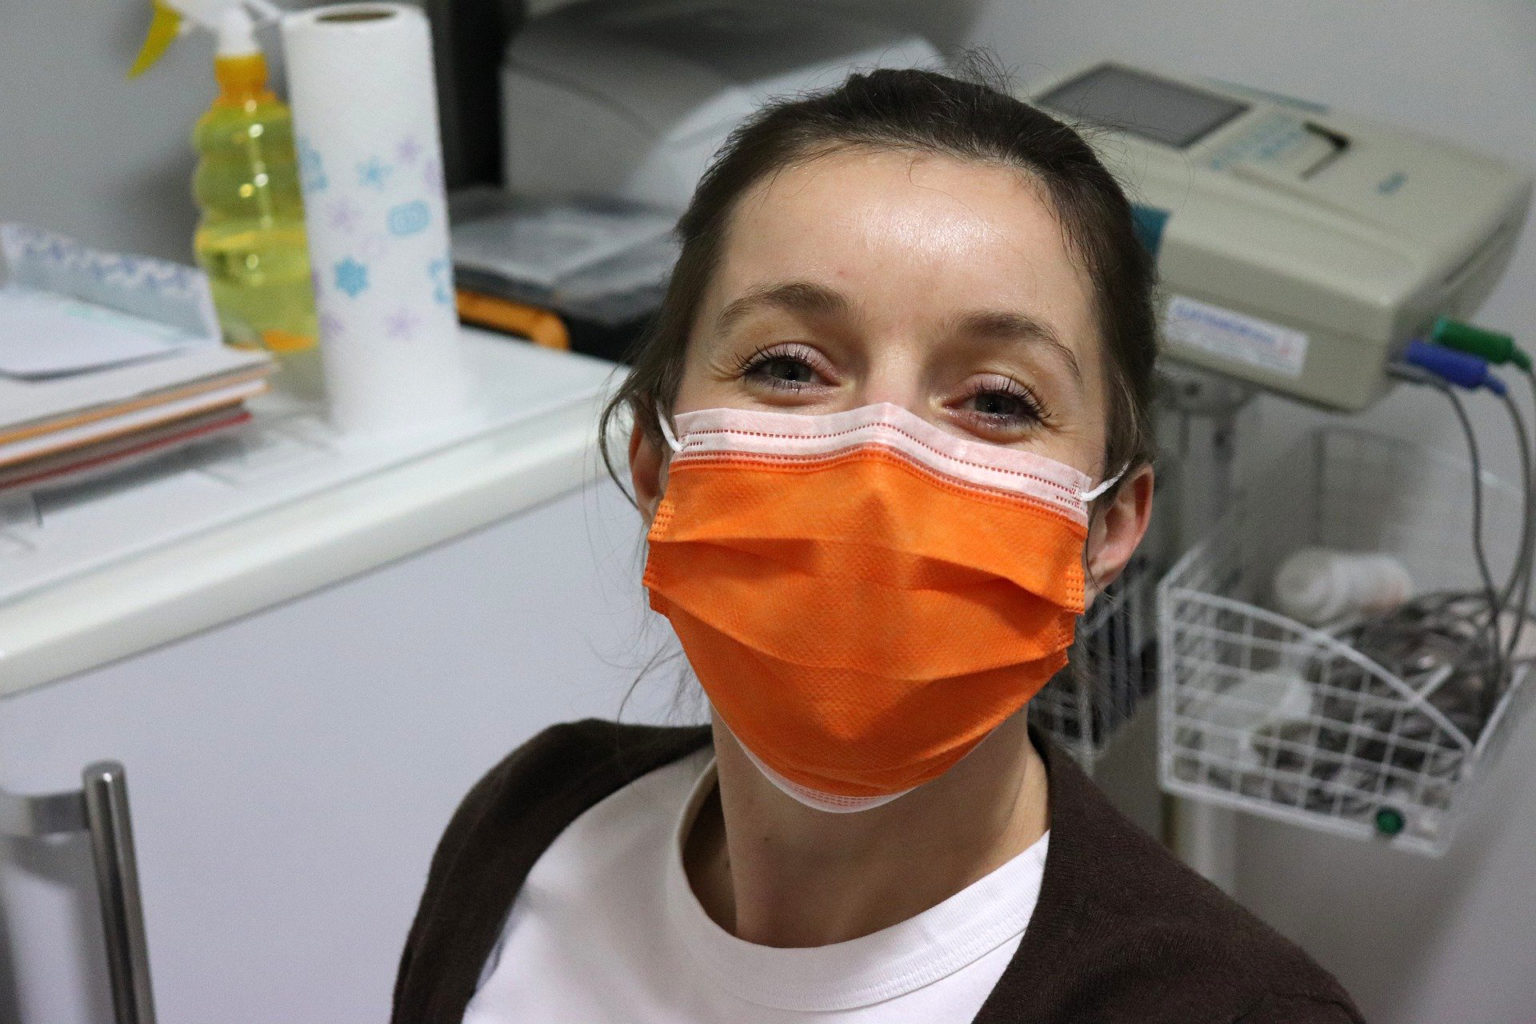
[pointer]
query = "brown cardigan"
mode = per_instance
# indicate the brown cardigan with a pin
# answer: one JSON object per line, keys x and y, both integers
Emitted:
{"x": 1122, "y": 931}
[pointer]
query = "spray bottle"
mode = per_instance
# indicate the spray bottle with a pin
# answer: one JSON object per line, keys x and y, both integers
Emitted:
{"x": 250, "y": 237}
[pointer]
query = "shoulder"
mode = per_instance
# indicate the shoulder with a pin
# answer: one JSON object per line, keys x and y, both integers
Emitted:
{"x": 525, "y": 801}
{"x": 1124, "y": 931}
{"x": 500, "y": 829}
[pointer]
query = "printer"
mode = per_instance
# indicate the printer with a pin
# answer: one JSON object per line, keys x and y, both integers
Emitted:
{"x": 629, "y": 100}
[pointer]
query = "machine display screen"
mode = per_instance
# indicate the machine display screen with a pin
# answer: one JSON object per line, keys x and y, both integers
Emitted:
{"x": 1153, "y": 108}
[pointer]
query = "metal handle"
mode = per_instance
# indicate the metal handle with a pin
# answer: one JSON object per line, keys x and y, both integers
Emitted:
{"x": 100, "y": 808}
{"x": 117, "y": 878}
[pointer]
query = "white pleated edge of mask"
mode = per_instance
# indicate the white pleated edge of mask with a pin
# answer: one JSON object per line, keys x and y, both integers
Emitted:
{"x": 815, "y": 799}
{"x": 1086, "y": 497}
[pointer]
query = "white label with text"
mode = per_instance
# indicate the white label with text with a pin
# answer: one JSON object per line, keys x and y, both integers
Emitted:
{"x": 1235, "y": 336}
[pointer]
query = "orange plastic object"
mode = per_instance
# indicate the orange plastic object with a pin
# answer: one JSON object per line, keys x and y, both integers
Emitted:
{"x": 242, "y": 80}
{"x": 539, "y": 326}
{"x": 861, "y": 622}
{"x": 286, "y": 341}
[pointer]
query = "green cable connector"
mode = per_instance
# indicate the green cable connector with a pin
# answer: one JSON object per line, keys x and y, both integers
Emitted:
{"x": 1490, "y": 345}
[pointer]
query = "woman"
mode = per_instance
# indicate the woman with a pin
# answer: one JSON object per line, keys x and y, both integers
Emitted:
{"x": 890, "y": 435}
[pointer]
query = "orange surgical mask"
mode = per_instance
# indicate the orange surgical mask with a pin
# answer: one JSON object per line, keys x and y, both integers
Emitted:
{"x": 863, "y": 595}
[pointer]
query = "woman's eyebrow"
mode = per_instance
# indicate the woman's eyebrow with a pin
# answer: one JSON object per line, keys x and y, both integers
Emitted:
{"x": 800, "y": 297}
{"x": 1012, "y": 326}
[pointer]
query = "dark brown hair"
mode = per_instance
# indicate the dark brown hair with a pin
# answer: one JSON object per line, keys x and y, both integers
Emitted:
{"x": 922, "y": 112}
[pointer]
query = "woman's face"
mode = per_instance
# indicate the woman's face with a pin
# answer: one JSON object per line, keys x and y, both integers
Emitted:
{"x": 879, "y": 276}
{"x": 936, "y": 284}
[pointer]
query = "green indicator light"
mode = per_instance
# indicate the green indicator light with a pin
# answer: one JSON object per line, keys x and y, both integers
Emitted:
{"x": 1389, "y": 821}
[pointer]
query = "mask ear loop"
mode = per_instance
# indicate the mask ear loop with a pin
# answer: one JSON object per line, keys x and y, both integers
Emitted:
{"x": 1103, "y": 488}
{"x": 666, "y": 431}
{"x": 1090, "y": 496}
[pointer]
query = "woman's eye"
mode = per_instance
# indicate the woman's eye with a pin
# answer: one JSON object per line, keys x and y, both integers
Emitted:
{"x": 782, "y": 368}
{"x": 1008, "y": 405}
{"x": 998, "y": 403}
{"x": 787, "y": 369}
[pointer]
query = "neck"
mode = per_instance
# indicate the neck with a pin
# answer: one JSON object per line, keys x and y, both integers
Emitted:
{"x": 777, "y": 873}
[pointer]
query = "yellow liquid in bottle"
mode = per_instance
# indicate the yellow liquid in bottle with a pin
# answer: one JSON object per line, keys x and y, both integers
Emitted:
{"x": 250, "y": 239}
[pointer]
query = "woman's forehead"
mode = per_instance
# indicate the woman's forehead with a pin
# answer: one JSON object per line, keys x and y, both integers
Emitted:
{"x": 880, "y": 219}
{"x": 909, "y": 240}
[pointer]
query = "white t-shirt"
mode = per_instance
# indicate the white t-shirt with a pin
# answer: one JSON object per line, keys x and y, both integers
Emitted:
{"x": 607, "y": 929}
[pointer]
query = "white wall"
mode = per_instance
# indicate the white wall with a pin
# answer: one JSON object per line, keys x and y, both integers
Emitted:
{"x": 82, "y": 149}
{"x": 1417, "y": 941}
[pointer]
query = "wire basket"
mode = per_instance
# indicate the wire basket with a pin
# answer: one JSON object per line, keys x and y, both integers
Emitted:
{"x": 1265, "y": 714}
{"x": 1109, "y": 670}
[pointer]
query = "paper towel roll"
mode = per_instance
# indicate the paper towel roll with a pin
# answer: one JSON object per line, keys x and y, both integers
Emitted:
{"x": 365, "y": 113}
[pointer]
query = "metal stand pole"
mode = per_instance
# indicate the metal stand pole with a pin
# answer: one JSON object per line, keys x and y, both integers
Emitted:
{"x": 1203, "y": 835}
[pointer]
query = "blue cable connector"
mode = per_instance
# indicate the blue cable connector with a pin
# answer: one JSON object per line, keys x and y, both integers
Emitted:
{"x": 1459, "y": 368}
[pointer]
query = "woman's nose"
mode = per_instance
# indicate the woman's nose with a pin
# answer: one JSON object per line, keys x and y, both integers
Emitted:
{"x": 896, "y": 380}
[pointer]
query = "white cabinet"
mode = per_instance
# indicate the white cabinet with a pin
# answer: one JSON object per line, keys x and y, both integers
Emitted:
{"x": 291, "y": 765}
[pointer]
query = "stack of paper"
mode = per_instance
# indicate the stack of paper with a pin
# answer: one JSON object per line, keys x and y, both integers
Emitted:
{"x": 106, "y": 360}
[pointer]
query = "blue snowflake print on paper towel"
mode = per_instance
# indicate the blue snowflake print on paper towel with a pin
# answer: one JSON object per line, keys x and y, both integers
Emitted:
{"x": 351, "y": 277}
{"x": 312, "y": 177}
{"x": 441, "y": 272}
{"x": 408, "y": 218}
{"x": 373, "y": 173}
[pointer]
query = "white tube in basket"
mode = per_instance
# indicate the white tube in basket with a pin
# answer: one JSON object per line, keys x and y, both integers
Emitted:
{"x": 365, "y": 118}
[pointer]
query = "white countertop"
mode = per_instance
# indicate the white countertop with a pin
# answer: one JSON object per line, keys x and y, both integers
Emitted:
{"x": 286, "y": 508}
